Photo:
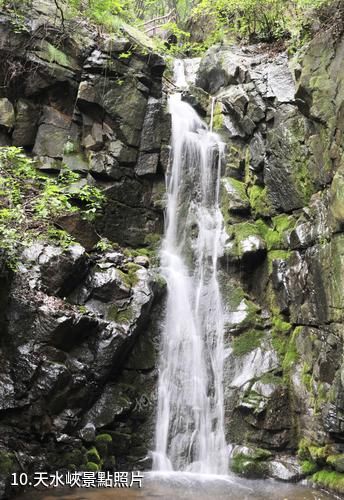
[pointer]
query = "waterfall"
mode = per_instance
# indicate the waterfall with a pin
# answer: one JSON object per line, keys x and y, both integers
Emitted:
{"x": 190, "y": 420}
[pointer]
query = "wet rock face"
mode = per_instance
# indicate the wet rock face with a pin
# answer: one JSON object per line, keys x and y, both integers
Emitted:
{"x": 82, "y": 341}
{"x": 281, "y": 274}
{"x": 78, "y": 327}
{"x": 82, "y": 105}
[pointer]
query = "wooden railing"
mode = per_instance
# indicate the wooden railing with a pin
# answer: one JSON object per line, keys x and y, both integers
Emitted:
{"x": 153, "y": 24}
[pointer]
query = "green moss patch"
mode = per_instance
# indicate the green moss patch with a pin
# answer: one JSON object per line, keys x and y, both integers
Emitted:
{"x": 119, "y": 315}
{"x": 291, "y": 355}
{"x": 93, "y": 455}
{"x": 247, "y": 342}
{"x": 250, "y": 467}
{"x": 336, "y": 462}
{"x": 308, "y": 467}
{"x": 329, "y": 479}
{"x": 259, "y": 201}
{"x": 128, "y": 274}
{"x": 92, "y": 467}
{"x": 104, "y": 438}
{"x": 6, "y": 463}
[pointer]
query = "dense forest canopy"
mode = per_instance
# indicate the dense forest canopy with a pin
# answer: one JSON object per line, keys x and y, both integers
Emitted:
{"x": 197, "y": 24}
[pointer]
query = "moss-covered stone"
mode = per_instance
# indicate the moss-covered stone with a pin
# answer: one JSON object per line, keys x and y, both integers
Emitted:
{"x": 249, "y": 467}
{"x": 233, "y": 197}
{"x": 245, "y": 239}
{"x": 52, "y": 54}
{"x": 271, "y": 379}
{"x": 329, "y": 479}
{"x": 120, "y": 315}
{"x": 247, "y": 342}
{"x": 308, "y": 467}
{"x": 280, "y": 335}
{"x": 104, "y": 438}
{"x": 218, "y": 117}
{"x": 73, "y": 458}
{"x": 91, "y": 467}
{"x": 236, "y": 161}
{"x": 259, "y": 201}
{"x": 128, "y": 274}
{"x": 291, "y": 354}
{"x": 6, "y": 463}
{"x": 336, "y": 462}
{"x": 93, "y": 455}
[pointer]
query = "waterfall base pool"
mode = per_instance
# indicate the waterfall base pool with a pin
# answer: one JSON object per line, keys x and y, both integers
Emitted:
{"x": 175, "y": 486}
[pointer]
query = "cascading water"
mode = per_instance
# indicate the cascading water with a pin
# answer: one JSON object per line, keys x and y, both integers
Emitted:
{"x": 190, "y": 420}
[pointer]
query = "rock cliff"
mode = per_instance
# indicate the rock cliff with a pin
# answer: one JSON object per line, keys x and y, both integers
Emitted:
{"x": 77, "y": 341}
{"x": 282, "y": 272}
{"x": 80, "y": 327}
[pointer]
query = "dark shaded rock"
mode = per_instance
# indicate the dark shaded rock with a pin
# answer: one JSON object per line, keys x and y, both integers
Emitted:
{"x": 147, "y": 164}
{"x": 81, "y": 230}
{"x": 25, "y": 127}
{"x": 53, "y": 133}
{"x": 57, "y": 270}
{"x": 7, "y": 116}
{"x": 219, "y": 68}
{"x": 151, "y": 131}
{"x": 113, "y": 403}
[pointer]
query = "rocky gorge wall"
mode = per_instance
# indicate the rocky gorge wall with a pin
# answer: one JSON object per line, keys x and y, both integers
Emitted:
{"x": 282, "y": 275}
{"x": 79, "y": 326}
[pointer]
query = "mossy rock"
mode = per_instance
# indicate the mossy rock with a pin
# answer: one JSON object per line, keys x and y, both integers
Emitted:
{"x": 291, "y": 354}
{"x": 52, "y": 54}
{"x": 119, "y": 315}
{"x": 6, "y": 463}
{"x": 319, "y": 454}
{"x": 336, "y": 462}
{"x": 91, "y": 467}
{"x": 129, "y": 274}
{"x": 248, "y": 467}
{"x": 233, "y": 197}
{"x": 259, "y": 201}
{"x": 271, "y": 379}
{"x": 218, "y": 120}
{"x": 93, "y": 455}
{"x": 274, "y": 255}
{"x": 308, "y": 467}
{"x": 104, "y": 438}
{"x": 247, "y": 342}
{"x": 74, "y": 457}
{"x": 246, "y": 240}
{"x": 329, "y": 479}
{"x": 337, "y": 197}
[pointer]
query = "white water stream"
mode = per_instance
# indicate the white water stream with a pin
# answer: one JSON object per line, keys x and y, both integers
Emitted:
{"x": 190, "y": 421}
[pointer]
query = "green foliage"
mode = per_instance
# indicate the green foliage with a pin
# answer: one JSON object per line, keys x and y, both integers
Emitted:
{"x": 104, "y": 245}
{"x": 30, "y": 202}
{"x": 129, "y": 275}
{"x": 60, "y": 237}
{"x": 108, "y": 13}
{"x": 264, "y": 20}
{"x": 93, "y": 200}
